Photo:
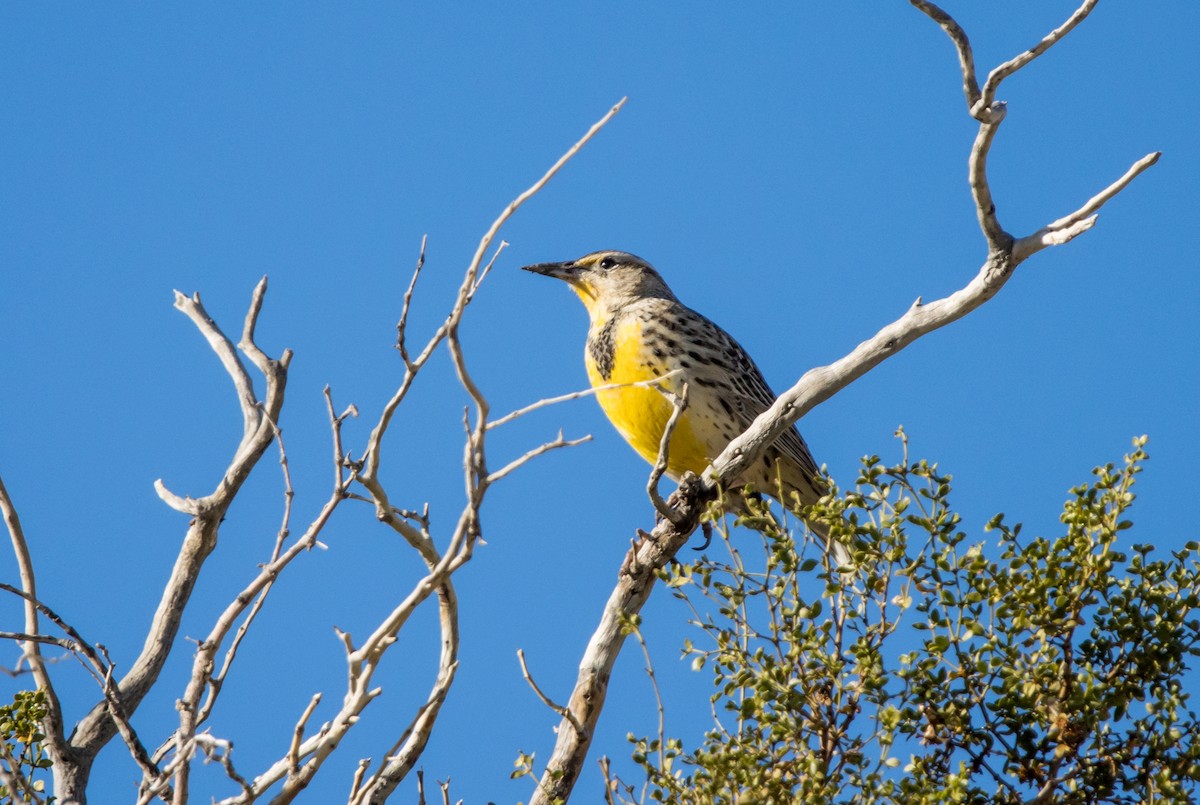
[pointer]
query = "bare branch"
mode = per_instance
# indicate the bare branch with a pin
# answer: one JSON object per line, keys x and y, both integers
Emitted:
{"x": 980, "y": 102}
{"x": 1064, "y": 229}
{"x": 1002, "y": 72}
{"x": 364, "y": 660}
{"x": 246, "y": 344}
{"x": 816, "y": 386}
{"x": 405, "y": 752}
{"x": 981, "y": 191}
{"x": 98, "y": 726}
{"x": 517, "y": 463}
{"x": 95, "y": 660}
{"x": 74, "y": 643}
{"x": 183, "y": 505}
{"x": 298, "y": 736}
{"x": 120, "y": 718}
{"x": 370, "y": 470}
{"x": 546, "y": 700}
{"x": 487, "y": 269}
{"x": 362, "y": 663}
{"x": 983, "y": 108}
{"x": 402, "y": 325}
{"x": 335, "y": 422}
{"x": 41, "y": 639}
{"x": 289, "y": 493}
{"x": 966, "y": 58}
{"x": 20, "y": 667}
{"x": 540, "y": 183}
{"x": 191, "y": 307}
{"x": 53, "y": 722}
{"x": 595, "y": 669}
{"x": 221, "y": 751}
{"x": 246, "y": 605}
{"x": 360, "y": 771}
{"x": 990, "y": 113}
{"x": 575, "y": 395}
{"x": 679, "y": 403}
{"x": 662, "y": 720}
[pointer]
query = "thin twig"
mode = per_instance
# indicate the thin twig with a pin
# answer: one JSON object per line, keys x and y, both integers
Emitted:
{"x": 546, "y": 700}
{"x": 817, "y": 385}
{"x": 98, "y": 726}
{"x": 335, "y": 424}
{"x": 1064, "y": 229}
{"x": 966, "y": 59}
{"x": 95, "y": 659}
{"x": 679, "y": 403}
{"x": 487, "y": 269}
{"x": 401, "y": 752}
{"x": 517, "y": 463}
{"x": 298, "y": 735}
{"x": 988, "y": 94}
{"x": 662, "y": 721}
{"x": 221, "y": 751}
{"x": 363, "y": 661}
{"x": 43, "y": 639}
{"x": 402, "y": 325}
{"x": 371, "y": 464}
{"x": 289, "y": 493}
{"x": 575, "y": 395}
{"x": 359, "y": 771}
{"x": 247, "y": 344}
{"x": 53, "y": 722}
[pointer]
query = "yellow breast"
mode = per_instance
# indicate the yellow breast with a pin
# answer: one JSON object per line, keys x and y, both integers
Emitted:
{"x": 640, "y": 413}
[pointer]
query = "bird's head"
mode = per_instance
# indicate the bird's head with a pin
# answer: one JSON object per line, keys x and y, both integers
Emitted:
{"x": 608, "y": 281}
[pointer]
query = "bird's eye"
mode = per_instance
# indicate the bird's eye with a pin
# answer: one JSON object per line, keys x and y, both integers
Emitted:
{"x": 607, "y": 263}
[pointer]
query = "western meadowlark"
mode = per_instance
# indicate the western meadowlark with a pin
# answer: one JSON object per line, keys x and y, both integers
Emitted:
{"x": 640, "y": 331}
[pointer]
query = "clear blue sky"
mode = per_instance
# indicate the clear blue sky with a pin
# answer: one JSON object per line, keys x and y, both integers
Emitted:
{"x": 797, "y": 172}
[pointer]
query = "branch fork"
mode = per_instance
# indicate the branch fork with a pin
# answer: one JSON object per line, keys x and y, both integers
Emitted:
{"x": 1005, "y": 253}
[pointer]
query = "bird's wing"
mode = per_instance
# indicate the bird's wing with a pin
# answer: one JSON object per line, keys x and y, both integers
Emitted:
{"x": 752, "y": 396}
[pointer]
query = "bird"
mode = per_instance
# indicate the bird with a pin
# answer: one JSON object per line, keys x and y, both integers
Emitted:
{"x": 639, "y": 331}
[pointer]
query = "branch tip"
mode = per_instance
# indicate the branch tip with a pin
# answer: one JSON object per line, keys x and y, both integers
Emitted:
{"x": 184, "y": 505}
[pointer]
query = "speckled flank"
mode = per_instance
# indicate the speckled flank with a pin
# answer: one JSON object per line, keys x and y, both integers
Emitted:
{"x": 601, "y": 348}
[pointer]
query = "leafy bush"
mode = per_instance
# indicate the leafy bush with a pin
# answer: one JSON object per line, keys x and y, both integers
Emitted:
{"x": 22, "y": 753}
{"x": 936, "y": 667}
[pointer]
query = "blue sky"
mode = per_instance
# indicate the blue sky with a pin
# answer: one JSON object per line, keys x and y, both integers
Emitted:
{"x": 796, "y": 173}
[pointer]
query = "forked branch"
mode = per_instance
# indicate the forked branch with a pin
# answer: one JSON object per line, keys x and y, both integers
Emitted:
{"x": 72, "y": 768}
{"x": 308, "y": 751}
{"x": 1005, "y": 253}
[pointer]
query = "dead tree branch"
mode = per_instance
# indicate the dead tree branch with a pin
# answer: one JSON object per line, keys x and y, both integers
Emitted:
{"x": 678, "y": 405}
{"x": 306, "y": 755}
{"x": 53, "y": 722}
{"x": 477, "y": 479}
{"x": 73, "y": 761}
{"x": 96, "y": 661}
{"x": 546, "y": 700}
{"x": 1005, "y": 253}
{"x": 204, "y": 685}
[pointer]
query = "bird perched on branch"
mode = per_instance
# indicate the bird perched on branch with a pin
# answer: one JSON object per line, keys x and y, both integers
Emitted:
{"x": 641, "y": 332}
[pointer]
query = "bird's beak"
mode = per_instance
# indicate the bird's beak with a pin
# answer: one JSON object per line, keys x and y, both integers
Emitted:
{"x": 561, "y": 271}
